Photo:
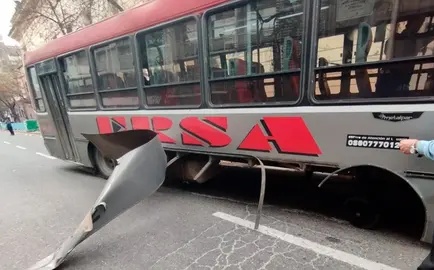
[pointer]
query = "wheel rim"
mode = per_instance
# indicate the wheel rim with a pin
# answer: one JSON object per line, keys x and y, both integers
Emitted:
{"x": 105, "y": 165}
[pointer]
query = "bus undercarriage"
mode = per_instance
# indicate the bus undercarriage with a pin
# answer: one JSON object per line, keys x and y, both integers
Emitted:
{"x": 372, "y": 196}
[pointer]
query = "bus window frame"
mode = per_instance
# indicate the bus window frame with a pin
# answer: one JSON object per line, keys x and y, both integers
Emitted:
{"x": 200, "y": 57}
{"x": 34, "y": 99}
{"x": 64, "y": 87}
{"x": 91, "y": 49}
{"x": 353, "y": 66}
{"x": 206, "y": 55}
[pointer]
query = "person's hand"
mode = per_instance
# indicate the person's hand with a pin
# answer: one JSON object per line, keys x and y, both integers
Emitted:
{"x": 405, "y": 145}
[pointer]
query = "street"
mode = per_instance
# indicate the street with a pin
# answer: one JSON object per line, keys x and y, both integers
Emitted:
{"x": 44, "y": 199}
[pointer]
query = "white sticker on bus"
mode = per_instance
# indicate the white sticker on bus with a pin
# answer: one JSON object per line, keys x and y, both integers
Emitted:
{"x": 374, "y": 141}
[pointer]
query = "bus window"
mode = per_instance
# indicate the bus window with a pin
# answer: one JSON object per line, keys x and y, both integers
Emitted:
{"x": 116, "y": 74}
{"x": 171, "y": 68}
{"x": 37, "y": 95}
{"x": 375, "y": 49}
{"x": 78, "y": 81}
{"x": 262, "y": 38}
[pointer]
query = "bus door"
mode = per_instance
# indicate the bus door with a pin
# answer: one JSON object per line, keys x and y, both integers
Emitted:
{"x": 50, "y": 84}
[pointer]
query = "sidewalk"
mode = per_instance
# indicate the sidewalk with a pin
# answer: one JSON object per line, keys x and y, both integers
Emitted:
{"x": 22, "y": 127}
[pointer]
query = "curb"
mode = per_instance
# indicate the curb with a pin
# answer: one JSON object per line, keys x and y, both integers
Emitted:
{"x": 24, "y": 132}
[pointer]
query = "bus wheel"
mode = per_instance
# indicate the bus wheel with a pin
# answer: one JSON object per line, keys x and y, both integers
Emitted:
{"x": 362, "y": 213}
{"x": 104, "y": 165}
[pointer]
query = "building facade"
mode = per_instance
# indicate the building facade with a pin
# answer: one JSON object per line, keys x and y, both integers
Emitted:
{"x": 14, "y": 91}
{"x": 9, "y": 55}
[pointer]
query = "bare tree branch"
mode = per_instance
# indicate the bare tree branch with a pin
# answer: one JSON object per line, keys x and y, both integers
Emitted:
{"x": 115, "y": 4}
{"x": 87, "y": 13}
{"x": 60, "y": 22}
{"x": 51, "y": 18}
{"x": 62, "y": 10}
{"x": 64, "y": 15}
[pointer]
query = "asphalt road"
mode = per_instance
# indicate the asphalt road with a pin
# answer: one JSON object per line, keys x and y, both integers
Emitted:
{"x": 43, "y": 200}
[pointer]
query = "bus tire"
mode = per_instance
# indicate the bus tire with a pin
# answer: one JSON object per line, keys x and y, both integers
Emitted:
{"x": 104, "y": 166}
{"x": 362, "y": 213}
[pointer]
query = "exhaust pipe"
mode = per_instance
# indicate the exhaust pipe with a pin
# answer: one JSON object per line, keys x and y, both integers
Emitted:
{"x": 140, "y": 172}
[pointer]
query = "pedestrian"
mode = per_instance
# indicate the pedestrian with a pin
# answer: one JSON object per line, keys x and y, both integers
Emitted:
{"x": 9, "y": 127}
{"x": 425, "y": 148}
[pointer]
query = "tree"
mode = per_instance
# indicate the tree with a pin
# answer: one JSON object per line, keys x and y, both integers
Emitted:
{"x": 64, "y": 16}
{"x": 10, "y": 90}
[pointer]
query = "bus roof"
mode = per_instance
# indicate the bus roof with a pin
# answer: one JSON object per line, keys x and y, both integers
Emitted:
{"x": 127, "y": 22}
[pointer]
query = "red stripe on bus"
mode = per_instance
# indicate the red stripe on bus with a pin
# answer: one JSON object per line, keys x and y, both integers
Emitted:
{"x": 221, "y": 122}
{"x": 290, "y": 135}
{"x": 209, "y": 132}
{"x": 140, "y": 122}
{"x": 104, "y": 124}
{"x": 160, "y": 124}
{"x": 190, "y": 140}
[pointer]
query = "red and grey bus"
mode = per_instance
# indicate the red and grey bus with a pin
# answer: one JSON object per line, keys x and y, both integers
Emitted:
{"x": 324, "y": 86}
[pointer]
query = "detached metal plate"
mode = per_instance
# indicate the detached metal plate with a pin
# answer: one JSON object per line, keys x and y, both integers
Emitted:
{"x": 141, "y": 170}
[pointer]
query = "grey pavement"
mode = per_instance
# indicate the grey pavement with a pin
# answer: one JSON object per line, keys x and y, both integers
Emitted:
{"x": 43, "y": 200}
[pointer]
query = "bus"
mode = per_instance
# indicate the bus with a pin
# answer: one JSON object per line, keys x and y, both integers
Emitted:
{"x": 322, "y": 86}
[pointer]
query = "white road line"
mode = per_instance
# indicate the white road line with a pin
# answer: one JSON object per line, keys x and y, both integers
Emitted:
{"x": 307, "y": 244}
{"x": 5, "y": 142}
{"x": 45, "y": 156}
{"x": 20, "y": 147}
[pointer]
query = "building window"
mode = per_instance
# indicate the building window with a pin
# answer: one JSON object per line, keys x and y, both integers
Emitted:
{"x": 170, "y": 65}
{"x": 117, "y": 82}
{"x": 78, "y": 81}
{"x": 36, "y": 89}
{"x": 255, "y": 53}
{"x": 375, "y": 49}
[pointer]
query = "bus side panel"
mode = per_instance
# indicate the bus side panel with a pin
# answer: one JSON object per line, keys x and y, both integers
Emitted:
{"x": 338, "y": 136}
{"x": 49, "y": 133}
{"x": 343, "y": 137}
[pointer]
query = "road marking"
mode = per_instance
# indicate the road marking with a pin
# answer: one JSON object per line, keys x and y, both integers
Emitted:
{"x": 45, "y": 156}
{"x": 307, "y": 244}
{"x": 20, "y": 147}
{"x": 5, "y": 142}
